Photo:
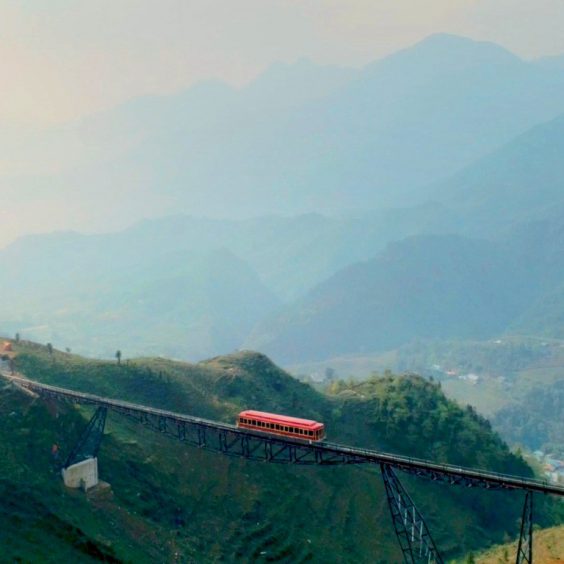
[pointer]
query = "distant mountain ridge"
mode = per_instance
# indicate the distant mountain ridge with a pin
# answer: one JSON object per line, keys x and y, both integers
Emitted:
{"x": 184, "y": 303}
{"x": 425, "y": 286}
{"x": 303, "y": 266}
{"x": 522, "y": 181}
{"x": 511, "y": 199}
{"x": 300, "y": 138}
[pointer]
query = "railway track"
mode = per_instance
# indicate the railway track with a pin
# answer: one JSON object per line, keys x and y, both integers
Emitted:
{"x": 233, "y": 441}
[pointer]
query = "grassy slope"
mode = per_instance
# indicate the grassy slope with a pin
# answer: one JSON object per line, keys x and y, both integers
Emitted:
{"x": 548, "y": 548}
{"x": 39, "y": 519}
{"x": 233, "y": 509}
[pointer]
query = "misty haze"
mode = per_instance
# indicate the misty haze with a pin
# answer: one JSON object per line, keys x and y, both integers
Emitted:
{"x": 319, "y": 234}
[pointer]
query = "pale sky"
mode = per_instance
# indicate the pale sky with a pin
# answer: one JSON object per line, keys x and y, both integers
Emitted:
{"x": 62, "y": 59}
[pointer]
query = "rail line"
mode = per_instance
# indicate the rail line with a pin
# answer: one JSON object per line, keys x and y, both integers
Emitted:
{"x": 233, "y": 441}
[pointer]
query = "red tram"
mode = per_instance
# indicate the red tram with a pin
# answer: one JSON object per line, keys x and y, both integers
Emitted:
{"x": 281, "y": 425}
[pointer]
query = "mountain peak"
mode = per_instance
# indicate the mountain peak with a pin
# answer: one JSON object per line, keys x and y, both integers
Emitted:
{"x": 460, "y": 45}
{"x": 444, "y": 50}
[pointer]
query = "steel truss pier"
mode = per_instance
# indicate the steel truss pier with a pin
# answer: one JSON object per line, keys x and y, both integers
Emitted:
{"x": 525, "y": 548}
{"x": 415, "y": 540}
{"x": 89, "y": 443}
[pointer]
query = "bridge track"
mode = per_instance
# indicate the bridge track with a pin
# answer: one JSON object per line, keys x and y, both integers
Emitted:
{"x": 233, "y": 441}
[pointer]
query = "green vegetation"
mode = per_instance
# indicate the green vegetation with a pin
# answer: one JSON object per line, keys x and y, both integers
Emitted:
{"x": 42, "y": 521}
{"x": 536, "y": 422}
{"x": 208, "y": 507}
{"x": 412, "y": 414}
{"x": 516, "y": 381}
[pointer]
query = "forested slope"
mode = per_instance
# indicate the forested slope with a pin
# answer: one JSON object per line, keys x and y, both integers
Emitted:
{"x": 202, "y": 504}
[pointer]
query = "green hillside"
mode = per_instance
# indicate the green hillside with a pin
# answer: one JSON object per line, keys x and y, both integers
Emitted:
{"x": 169, "y": 498}
{"x": 515, "y": 381}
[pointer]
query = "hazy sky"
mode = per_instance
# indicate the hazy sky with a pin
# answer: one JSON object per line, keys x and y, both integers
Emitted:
{"x": 60, "y": 59}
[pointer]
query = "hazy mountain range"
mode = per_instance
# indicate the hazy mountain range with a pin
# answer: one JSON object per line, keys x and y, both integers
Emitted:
{"x": 300, "y": 138}
{"x": 467, "y": 134}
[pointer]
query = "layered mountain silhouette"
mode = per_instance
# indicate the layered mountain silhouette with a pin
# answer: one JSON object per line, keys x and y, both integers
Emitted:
{"x": 299, "y": 138}
{"x": 466, "y": 133}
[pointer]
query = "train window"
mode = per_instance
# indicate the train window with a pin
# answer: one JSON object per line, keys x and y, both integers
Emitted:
{"x": 271, "y": 425}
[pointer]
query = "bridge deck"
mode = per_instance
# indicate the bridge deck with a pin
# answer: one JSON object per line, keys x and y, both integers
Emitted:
{"x": 242, "y": 442}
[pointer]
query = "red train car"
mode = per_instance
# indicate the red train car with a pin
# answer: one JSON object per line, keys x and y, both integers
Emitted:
{"x": 281, "y": 425}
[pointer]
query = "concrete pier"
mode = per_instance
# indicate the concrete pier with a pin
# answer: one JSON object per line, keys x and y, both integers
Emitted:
{"x": 82, "y": 475}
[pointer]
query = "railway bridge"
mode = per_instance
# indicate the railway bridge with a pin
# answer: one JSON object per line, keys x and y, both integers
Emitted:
{"x": 413, "y": 535}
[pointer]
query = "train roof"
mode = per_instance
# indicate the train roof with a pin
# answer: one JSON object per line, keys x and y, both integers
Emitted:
{"x": 284, "y": 419}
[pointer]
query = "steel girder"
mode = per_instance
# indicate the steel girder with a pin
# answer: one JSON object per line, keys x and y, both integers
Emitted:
{"x": 230, "y": 440}
{"x": 451, "y": 479}
{"x": 244, "y": 445}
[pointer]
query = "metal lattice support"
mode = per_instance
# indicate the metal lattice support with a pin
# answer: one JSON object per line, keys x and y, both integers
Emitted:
{"x": 413, "y": 535}
{"x": 525, "y": 549}
{"x": 89, "y": 442}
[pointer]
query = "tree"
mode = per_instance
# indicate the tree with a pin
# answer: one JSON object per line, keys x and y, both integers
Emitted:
{"x": 17, "y": 338}
{"x": 330, "y": 374}
{"x": 118, "y": 356}
{"x": 50, "y": 348}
